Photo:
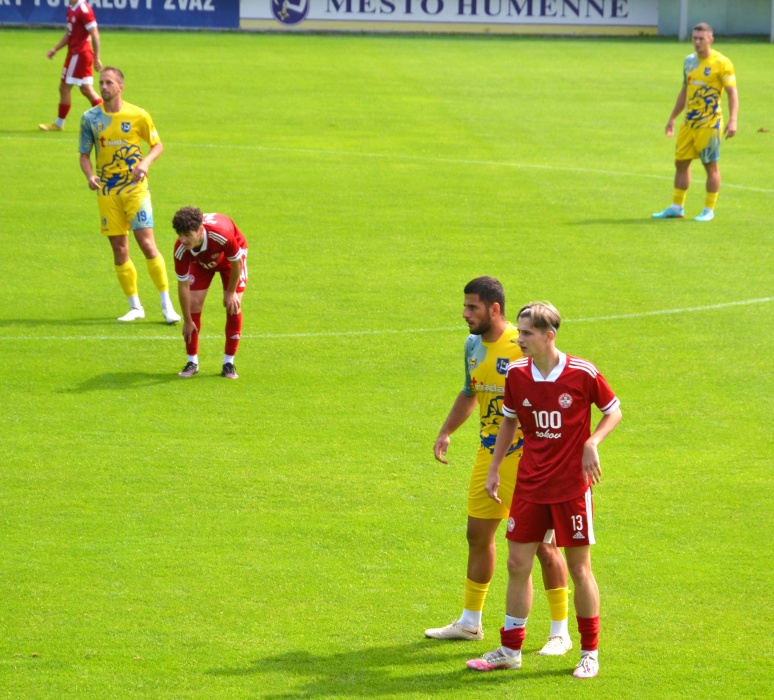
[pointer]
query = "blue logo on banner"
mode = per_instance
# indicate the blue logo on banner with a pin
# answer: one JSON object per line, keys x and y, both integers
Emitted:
{"x": 290, "y": 11}
{"x": 126, "y": 127}
{"x": 502, "y": 365}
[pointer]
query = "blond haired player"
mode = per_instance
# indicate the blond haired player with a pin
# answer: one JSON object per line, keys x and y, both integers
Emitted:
{"x": 490, "y": 348}
{"x": 115, "y": 130}
{"x": 706, "y": 73}
{"x": 548, "y": 396}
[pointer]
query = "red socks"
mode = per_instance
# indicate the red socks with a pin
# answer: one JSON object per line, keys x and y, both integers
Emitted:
{"x": 513, "y": 639}
{"x": 233, "y": 333}
{"x": 63, "y": 111}
{"x": 589, "y": 632}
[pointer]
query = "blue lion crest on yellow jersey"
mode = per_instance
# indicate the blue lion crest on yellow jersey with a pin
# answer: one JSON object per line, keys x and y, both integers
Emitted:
{"x": 117, "y": 175}
{"x": 704, "y": 106}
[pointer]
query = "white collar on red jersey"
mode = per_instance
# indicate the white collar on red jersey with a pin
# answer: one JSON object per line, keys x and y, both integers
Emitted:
{"x": 202, "y": 247}
{"x": 555, "y": 372}
{"x": 77, "y": 5}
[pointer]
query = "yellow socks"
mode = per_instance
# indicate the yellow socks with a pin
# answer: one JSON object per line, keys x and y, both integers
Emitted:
{"x": 710, "y": 199}
{"x": 557, "y": 602}
{"x": 158, "y": 272}
{"x": 678, "y": 197}
{"x": 127, "y": 277}
{"x": 475, "y": 595}
{"x": 473, "y": 604}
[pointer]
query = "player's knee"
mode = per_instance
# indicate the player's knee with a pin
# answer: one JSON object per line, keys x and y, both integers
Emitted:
{"x": 477, "y": 539}
{"x": 580, "y": 570}
{"x": 549, "y": 556}
{"x": 519, "y": 567}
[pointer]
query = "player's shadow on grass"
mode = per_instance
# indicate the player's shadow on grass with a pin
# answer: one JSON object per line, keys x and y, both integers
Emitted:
{"x": 117, "y": 381}
{"x": 418, "y": 668}
{"x": 64, "y": 322}
{"x": 644, "y": 221}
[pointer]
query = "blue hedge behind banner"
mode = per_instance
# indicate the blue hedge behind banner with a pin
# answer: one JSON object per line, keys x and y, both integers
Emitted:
{"x": 191, "y": 14}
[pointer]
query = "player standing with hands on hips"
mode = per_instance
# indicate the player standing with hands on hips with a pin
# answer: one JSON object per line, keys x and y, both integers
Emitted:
{"x": 208, "y": 244}
{"x": 489, "y": 349}
{"x": 705, "y": 74}
{"x": 82, "y": 41}
{"x": 115, "y": 130}
{"x": 549, "y": 394}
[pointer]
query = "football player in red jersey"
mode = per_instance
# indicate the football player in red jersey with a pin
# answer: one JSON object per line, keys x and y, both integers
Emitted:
{"x": 82, "y": 40}
{"x": 549, "y": 395}
{"x": 208, "y": 244}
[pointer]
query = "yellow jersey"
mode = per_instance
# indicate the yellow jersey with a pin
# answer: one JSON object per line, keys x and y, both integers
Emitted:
{"x": 116, "y": 137}
{"x": 704, "y": 80}
{"x": 485, "y": 367}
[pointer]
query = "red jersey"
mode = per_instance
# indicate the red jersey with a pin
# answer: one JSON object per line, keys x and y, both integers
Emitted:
{"x": 555, "y": 417}
{"x": 80, "y": 18}
{"x": 223, "y": 244}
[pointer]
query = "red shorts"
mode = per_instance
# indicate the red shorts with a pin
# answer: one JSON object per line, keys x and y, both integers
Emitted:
{"x": 77, "y": 68}
{"x": 199, "y": 278}
{"x": 572, "y": 521}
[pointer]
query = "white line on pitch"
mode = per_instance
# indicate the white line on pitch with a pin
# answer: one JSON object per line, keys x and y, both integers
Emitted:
{"x": 388, "y": 331}
{"x": 412, "y": 157}
{"x": 453, "y": 161}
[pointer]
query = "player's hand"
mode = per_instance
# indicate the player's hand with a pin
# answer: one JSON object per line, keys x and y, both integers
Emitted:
{"x": 730, "y": 129}
{"x": 50, "y": 53}
{"x": 670, "y": 128}
{"x": 492, "y": 485}
{"x": 97, "y": 64}
{"x": 232, "y": 303}
{"x": 139, "y": 173}
{"x": 440, "y": 448}
{"x": 189, "y": 328}
{"x": 93, "y": 181}
{"x": 591, "y": 467}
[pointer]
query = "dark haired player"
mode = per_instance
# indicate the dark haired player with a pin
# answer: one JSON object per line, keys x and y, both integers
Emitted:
{"x": 208, "y": 244}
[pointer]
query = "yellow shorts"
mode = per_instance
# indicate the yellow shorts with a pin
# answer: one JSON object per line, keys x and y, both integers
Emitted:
{"x": 479, "y": 503}
{"x": 120, "y": 213}
{"x": 702, "y": 142}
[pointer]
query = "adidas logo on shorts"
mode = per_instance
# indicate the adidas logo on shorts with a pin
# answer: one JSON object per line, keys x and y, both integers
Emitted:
{"x": 579, "y": 536}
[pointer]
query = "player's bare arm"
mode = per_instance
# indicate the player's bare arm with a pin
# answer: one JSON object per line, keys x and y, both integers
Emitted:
{"x": 88, "y": 171}
{"x": 62, "y": 42}
{"x": 678, "y": 108}
{"x": 591, "y": 466}
{"x": 141, "y": 170}
{"x": 231, "y": 300}
{"x": 184, "y": 296}
{"x": 94, "y": 32}
{"x": 733, "y": 110}
{"x": 505, "y": 437}
{"x": 463, "y": 407}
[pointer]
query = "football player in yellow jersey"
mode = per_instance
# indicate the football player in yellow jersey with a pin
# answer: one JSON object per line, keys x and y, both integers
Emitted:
{"x": 489, "y": 350}
{"x": 115, "y": 130}
{"x": 706, "y": 73}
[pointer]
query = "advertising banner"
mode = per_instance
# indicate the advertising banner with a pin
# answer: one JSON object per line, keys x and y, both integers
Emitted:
{"x": 624, "y": 17}
{"x": 201, "y": 14}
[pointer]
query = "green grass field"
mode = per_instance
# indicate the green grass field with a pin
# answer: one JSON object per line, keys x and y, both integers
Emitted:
{"x": 289, "y": 535}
